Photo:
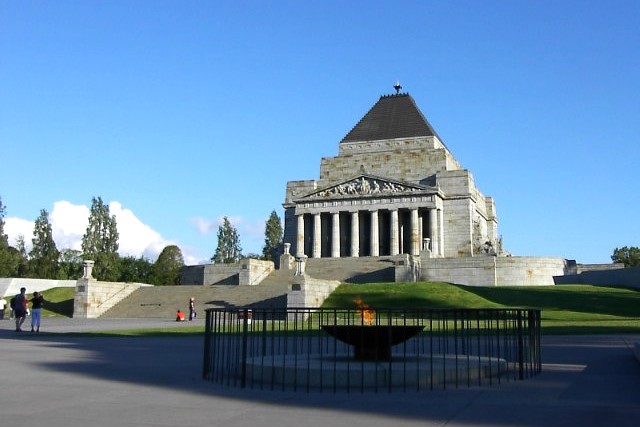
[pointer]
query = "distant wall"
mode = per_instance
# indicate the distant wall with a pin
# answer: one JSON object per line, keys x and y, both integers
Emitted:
{"x": 248, "y": 272}
{"x": 10, "y": 287}
{"x": 493, "y": 271}
{"x": 622, "y": 277}
{"x": 210, "y": 274}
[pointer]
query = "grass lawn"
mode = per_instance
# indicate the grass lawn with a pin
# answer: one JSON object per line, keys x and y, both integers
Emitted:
{"x": 566, "y": 309}
{"x": 58, "y": 302}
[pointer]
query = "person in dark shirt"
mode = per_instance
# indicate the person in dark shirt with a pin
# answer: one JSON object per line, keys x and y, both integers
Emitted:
{"x": 19, "y": 306}
{"x": 36, "y": 306}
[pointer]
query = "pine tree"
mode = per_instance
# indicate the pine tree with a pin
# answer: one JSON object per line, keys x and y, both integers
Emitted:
{"x": 4, "y": 239}
{"x": 100, "y": 242}
{"x": 44, "y": 254}
{"x": 9, "y": 256}
{"x": 272, "y": 236}
{"x": 228, "y": 250}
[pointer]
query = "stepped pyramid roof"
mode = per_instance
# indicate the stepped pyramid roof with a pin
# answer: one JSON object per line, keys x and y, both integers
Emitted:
{"x": 393, "y": 116}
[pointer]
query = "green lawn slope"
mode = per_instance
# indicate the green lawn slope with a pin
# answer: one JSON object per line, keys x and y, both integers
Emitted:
{"x": 566, "y": 309}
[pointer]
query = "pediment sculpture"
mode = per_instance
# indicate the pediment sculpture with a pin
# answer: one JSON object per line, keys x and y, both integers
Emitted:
{"x": 366, "y": 186}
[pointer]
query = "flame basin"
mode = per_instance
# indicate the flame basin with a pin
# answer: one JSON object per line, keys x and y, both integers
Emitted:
{"x": 372, "y": 342}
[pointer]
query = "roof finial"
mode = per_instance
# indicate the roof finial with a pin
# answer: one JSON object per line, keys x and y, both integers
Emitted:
{"x": 397, "y": 87}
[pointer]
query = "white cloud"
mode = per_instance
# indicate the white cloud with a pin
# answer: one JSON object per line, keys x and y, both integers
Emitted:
{"x": 136, "y": 238}
{"x": 203, "y": 225}
{"x": 15, "y": 227}
{"x": 69, "y": 223}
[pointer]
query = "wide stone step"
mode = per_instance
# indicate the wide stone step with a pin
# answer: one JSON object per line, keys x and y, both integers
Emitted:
{"x": 164, "y": 301}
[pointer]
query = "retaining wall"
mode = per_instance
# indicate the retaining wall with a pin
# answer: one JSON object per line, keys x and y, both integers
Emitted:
{"x": 493, "y": 271}
{"x": 93, "y": 298}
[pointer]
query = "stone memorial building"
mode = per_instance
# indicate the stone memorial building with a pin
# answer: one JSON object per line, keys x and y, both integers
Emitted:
{"x": 394, "y": 195}
{"x": 394, "y": 188}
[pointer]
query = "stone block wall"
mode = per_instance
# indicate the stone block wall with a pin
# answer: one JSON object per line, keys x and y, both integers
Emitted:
{"x": 408, "y": 160}
{"x": 458, "y": 227}
{"x": 192, "y": 275}
{"x": 309, "y": 292}
{"x": 520, "y": 270}
{"x": 254, "y": 271}
{"x": 493, "y": 271}
{"x": 221, "y": 274}
{"x": 93, "y": 298}
{"x": 608, "y": 275}
{"x": 246, "y": 272}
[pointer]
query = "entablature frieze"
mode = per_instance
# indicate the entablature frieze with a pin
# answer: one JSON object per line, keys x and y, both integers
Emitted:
{"x": 371, "y": 204}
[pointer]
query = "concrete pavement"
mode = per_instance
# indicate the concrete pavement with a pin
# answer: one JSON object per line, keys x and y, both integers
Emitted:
{"x": 57, "y": 380}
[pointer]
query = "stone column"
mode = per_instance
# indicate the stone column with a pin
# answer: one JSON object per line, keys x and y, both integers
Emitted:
{"x": 441, "y": 231}
{"x": 355, "y": 234}
{"x": 415, "y": 238}
{"x": 375, "y": 235}
{"x": 300, "y": 236}
{"x": 317, "y": 236}
{"x": 395, "y": 244}
{"x": 433, "y": 230}
{"x": 87, "y": 269}
{"x": 335, "y": 234}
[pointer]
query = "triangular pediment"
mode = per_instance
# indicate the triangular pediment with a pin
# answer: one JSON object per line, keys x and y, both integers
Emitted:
{"x": 368, "y": 186}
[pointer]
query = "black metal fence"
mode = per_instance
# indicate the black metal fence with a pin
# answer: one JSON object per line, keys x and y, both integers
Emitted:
{"x": 331, "y": 349}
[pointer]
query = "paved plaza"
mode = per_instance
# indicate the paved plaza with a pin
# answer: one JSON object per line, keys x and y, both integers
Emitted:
{"x": 58, "y": 380}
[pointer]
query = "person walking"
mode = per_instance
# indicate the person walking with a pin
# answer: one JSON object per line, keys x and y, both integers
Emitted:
{"x": 36, "y": 306}
{"x": 192, "y": 308}
{"x": 19, "y": 306}
{"x": 3, "y": 306}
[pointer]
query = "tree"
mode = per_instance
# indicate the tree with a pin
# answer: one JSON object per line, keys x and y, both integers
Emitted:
{"x": 4, "y": 239}
{"x": 9, "y": 256}
{"x": 272, "y": 236}
{"x": 134, "y": 269}
{"x": 70, "y": 264}
{"x": 100, "y": 242}
{"x": 228, "y": 250}
{"x": 166, "y": 270}
{"x": 630, "y": 257}
{"x": 22, "y": 269}
{"x": 44, "y": 253}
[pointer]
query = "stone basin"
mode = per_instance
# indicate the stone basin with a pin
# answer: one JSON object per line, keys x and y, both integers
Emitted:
{"x": 372, "y": 342}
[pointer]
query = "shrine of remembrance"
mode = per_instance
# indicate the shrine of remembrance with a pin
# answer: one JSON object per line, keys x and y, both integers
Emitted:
{"x": 394, "y": 188}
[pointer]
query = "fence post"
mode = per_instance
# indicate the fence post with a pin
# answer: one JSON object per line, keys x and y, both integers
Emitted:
{"x": 207, "y": 345}
{"x": 520, "y": 346}
{"x": 245, "y": 327}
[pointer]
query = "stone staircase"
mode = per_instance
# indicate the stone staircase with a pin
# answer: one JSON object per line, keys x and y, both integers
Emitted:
{"x": 352, "y": 270}
{"x": 164, "y": 301}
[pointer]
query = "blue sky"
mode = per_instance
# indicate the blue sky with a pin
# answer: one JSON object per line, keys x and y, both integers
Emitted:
{"x": 178, "y": 113}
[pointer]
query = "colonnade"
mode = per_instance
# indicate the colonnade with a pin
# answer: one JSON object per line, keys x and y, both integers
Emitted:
{"x": 373, "y": 232}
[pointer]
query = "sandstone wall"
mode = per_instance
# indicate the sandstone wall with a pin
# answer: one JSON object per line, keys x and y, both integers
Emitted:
{"x": 309, "y": 292}
{"x": 93, "y": 298}
{"x": 493, "y": 271}
{"x": 408, "y": 160}
{"x": 247, "y": 272}
{"x": 610, "y": 275}
{"x": 254, "y": 271}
